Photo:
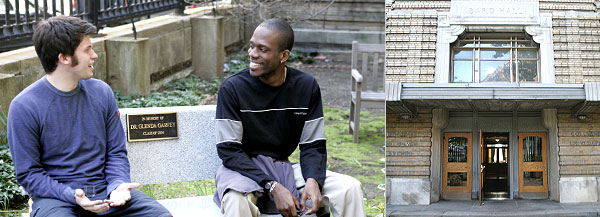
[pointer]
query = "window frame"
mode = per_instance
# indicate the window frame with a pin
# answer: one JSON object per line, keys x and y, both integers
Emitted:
{"x": 513, "y": 42}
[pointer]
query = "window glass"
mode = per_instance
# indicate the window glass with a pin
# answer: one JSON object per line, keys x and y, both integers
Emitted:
{"x": 495, "y": 57}
{"x": 495, "y": 71}
{"x": 463, "y": 71}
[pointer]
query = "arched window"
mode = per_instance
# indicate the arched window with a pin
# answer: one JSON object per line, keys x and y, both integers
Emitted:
{"x": 494, "y": 57}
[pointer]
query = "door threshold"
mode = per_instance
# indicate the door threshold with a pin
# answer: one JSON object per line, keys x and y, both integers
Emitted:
{"x": 500, "y": 195}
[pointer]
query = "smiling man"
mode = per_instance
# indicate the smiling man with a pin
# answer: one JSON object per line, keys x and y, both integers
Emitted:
{"x": 65, "y": 135}
{"x": 263, "y": 114}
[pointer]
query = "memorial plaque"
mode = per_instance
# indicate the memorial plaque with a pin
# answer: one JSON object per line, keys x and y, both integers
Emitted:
{"x": 154, "y": 126}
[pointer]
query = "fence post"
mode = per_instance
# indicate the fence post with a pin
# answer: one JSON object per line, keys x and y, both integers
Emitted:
{"x": 92, "y": 11}
{"x": 181, "y": 7}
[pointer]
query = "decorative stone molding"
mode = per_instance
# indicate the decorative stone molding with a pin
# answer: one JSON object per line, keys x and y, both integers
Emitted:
{"x": 448, "y": 32}
{"x": 542, "y": 34}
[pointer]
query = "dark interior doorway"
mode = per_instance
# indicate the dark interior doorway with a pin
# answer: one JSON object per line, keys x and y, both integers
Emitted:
{"x": 496, "y": 184}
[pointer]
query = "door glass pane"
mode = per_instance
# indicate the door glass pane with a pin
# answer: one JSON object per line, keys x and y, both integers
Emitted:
{"x": 457, "y": 149}
{"x": 495, "y": 54}
{"x": 457, "y": 179}
{"x": 533, "y": 179}
{"x": 532, "y": 149}
{"x": 495, "y": 71}
{"x": 463, "y": 71}
{"x": 528, "y": 70}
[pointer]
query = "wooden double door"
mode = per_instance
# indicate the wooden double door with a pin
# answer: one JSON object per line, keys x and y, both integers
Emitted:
{"x": 457, "y": 167}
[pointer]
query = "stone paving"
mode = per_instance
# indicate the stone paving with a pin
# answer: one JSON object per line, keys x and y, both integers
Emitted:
{"x": 495, "y": 208}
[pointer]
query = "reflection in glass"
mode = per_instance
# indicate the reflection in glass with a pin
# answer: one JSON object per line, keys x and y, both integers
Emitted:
{"x": 495, "y": 71}
{"x": 495, "y": 44}
{"x": 530, "y": 54}
{"x": 457, "y": 149}
{"x": 533, "y": 179}
{"x": 457, "y": 179}
{"x": 528, "y": 70}
{"x": 495, "y": 54}
{"x": 532, "y": 149}
{"x": 463, "y": 71}
{"x": 463, "y": 54}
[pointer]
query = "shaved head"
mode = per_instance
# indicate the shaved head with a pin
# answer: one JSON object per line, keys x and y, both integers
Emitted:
{"x": 286, "y": 34}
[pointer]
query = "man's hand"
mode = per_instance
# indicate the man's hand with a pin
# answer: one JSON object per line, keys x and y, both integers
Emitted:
{"x": 122, "y": 194}
{"x": 97, "y": 206}
{"x": 285, "y": 202}
{"x": 312, "y": 192}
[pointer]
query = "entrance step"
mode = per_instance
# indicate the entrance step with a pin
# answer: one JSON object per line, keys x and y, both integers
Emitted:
{"x": 501, "y": 195}
{"x": 495, "y": 208}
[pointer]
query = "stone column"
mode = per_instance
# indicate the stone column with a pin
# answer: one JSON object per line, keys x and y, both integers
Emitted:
{"x": 551, "y": 123}
{"x": 439, "y": 121}
{"x": 208, "y": 49}
{"x": 127, "y": 64}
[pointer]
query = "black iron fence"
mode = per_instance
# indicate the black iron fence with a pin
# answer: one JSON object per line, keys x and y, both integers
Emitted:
{"x": 19, "y": 17}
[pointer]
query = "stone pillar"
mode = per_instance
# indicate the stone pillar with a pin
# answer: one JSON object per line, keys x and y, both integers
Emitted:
{"x": 127, "y": 64}
{"x": 208, "y": 48}
{"x": 439, "y": 121}
{"x": 551, "y": 123}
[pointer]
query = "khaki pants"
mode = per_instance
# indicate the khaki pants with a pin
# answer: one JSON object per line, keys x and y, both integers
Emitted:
{"x": 341, "y": 193}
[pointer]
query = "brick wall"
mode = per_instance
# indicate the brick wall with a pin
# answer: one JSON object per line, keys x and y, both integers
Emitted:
{"x": 408, "y": 145}
{"x": 579, "y": 144}
{"x": 576, "y": 46}
{"x": 410, "y": 47}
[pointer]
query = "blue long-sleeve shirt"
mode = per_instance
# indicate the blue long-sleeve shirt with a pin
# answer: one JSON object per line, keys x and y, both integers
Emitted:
{"x": 64, "y": 140}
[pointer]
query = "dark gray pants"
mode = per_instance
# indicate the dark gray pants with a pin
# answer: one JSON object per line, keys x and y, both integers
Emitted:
{"x": 140, "y": 205}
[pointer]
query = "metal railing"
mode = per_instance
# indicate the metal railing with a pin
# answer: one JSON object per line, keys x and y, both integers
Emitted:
{"x": 19, "y": 17}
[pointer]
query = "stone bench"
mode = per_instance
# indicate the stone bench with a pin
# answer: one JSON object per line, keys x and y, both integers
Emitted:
{"x": 192, "y": 156}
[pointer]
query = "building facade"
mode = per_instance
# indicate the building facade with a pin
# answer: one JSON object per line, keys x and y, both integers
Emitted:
{"x": 492, "y": 99}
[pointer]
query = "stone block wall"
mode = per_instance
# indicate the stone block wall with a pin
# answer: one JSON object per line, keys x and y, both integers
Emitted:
{"x": 346, "y": 15}
{"x": 579, "y": 157}
{"x": 579, "y": 144}
{"x": 408, "y": 145}
{"x": 169, "y": 41}
{"x": 576, "y": 46}
{"x": 410, "y": 42}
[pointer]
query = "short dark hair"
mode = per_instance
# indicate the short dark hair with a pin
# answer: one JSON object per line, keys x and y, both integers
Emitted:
{"x": 59, "y": 35}
{"x": 286, "y": 33}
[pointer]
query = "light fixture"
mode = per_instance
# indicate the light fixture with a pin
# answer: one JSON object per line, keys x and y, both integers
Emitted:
{"x": 581, "y": 117}
{"x": 497, "y": 140}
{"x": 405, "y": 116}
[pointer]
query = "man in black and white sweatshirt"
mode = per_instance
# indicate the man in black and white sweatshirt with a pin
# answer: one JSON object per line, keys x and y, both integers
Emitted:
{"x": 263, "y": 114}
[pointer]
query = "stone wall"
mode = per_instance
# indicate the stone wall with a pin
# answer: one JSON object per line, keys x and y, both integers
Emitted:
{"x": 408, "y": 153}
{"x": 408, "y": 145}
{"x": 356, "y": 15}
{"x": 410, "y": 43}
{"x": 579, "y": 157}
{"x": 168, "y": 45}
{"x": 579, "y": 144}
{"x": 576, "y": 46}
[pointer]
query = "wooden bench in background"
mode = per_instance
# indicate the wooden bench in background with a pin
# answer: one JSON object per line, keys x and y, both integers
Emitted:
{"x": 367, "y": 81}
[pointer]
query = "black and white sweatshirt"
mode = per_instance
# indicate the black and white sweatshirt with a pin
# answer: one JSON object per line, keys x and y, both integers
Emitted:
{"x": 256, "y": 119}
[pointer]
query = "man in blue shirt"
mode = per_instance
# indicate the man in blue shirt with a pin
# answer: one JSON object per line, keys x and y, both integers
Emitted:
{"x": 65, "y": 135}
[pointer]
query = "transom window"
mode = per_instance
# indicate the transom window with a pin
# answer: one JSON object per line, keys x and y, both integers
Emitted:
{"x": 495, "y": 58}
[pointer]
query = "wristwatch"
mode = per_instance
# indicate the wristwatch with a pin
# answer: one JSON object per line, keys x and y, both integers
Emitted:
{"x": 269, "y": 185}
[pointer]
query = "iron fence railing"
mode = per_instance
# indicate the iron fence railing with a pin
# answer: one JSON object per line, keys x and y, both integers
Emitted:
{"x": 19, "y": 17}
